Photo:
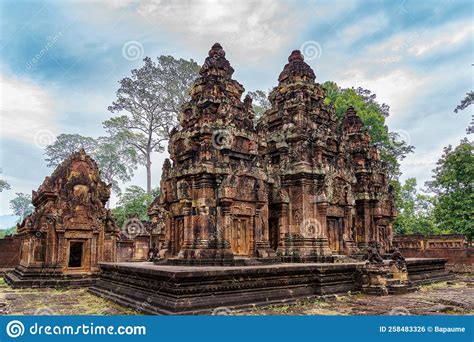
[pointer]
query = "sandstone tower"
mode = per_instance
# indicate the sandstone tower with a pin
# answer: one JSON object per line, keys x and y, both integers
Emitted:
{"x": 297, "y": 185}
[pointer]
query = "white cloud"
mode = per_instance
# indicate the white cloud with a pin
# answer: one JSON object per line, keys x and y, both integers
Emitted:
{"x": 422, "y": 41}
{"x": 364, "y": 28}
{"x": 397, "y": 88}
{"x": 250, "y": 30}
{"x": 27, "y": 111}
{"x": 442, "y": 38}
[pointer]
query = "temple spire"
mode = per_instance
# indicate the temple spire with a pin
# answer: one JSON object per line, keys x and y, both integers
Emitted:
{"x": 296, "y": 68}
{"x": 351, "y": 122}
{"x": 216, "y": 64}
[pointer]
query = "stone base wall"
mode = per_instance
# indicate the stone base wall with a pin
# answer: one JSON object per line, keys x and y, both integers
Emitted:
{"x": 454, "y": 257}
{"x": 452, "y": 247}
{"x": 133, "y": 250}
{"x": 156, "y": 289}
{"x": 9, "y": 252}
{"x": 424, "y": 271}
{"x": 124, "y": 251}
{"x": 49, "y": 276}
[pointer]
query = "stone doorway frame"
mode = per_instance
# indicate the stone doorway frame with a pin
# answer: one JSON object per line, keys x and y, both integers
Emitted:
{"x": 83, "y": 268}
{"x": 244, "y": 225}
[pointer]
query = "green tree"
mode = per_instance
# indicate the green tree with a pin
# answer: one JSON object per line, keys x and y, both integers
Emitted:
{"x": 67, "y": 144}
{"x": 152, "y": 98}
{"x": 4, "y": 184}
{"x": 392, "y": 147}
{"x": 415, "y": 210}
{"x": 134, "y": 201}
{"x": 466, "y": 102}
{"x": 9, "y": 231}
{"x": 116, "y": 161}
{"x": 21, "y": 205}
{"x": 453, "y": 184}
{"x": 260, "y": 102}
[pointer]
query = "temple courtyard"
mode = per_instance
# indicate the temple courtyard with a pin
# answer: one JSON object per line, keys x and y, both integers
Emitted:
{"x": 292, "y": 214}
{"x": 455, "y": 297}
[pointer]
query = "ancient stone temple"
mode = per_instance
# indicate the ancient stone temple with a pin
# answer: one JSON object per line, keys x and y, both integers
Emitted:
{"x": 214, "y": 196}
{"x": 70, "y": 230}
{"x": 330, "y": 193}
{"x": 295, "y": 185}
{"x": 286, "y": 208}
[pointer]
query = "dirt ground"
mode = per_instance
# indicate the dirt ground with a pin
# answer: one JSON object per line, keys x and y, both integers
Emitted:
{"x": 55, "y": 302}
{"x": 446, "y": 298}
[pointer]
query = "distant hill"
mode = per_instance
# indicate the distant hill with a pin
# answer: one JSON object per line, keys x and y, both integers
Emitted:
{"x": 8, "y": 221}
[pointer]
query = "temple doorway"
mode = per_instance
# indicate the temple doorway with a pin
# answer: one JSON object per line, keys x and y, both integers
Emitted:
{"x": 76, "y": 251}
{"x": 335, "y": 234}
{"x": 240, "y": 240}
{"x": 178, "y": 237}
{"x": 274, "y": 233}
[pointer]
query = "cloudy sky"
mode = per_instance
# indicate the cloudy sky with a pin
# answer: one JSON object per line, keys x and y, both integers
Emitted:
{"x": 60, "y": 62}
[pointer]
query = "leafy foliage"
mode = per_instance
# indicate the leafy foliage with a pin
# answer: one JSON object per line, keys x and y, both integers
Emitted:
{"x": 134, "y": 201}
{"x": 151, "y": 97}
{"x": 65, "y": 145}
{"x": 260, "y": 102}
{"x": 453, "y": 183}
{"x": 115, "y": 159}
{"x": 415, "y": 211}
{"x": 392, "y": 147}
{"x": 466, "y": 102}
{"x": 9, "y": 231}
{"x": 4, "y": 184}
{"x": 21, "y": 205}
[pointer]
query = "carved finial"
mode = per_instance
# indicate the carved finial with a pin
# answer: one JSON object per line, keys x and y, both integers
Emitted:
{"x": 216, "y": 51}
{"x": 296, "y": 55}
{"x": 216, "y": 63}
{"x": 351, "y": 111}
{"x": 296, "y": 68}
{"x": 248, "y": 100}
{"x": 351, "y": 122}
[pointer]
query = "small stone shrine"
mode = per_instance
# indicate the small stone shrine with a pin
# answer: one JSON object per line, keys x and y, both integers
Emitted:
{"x": 70, "y": 230}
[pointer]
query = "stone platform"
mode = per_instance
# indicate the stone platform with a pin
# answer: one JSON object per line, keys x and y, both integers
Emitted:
{"x": 26, "y": 277}
{"x": 184, "y": 289}
{"x": 427, "y": 270}
{"x": 158, "y": 289}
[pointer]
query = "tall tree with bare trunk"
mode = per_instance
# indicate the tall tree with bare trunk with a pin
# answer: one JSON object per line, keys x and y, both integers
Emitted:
{"x": 151, "y": 99}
